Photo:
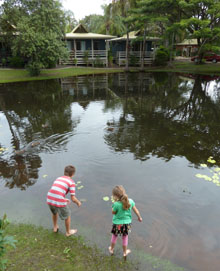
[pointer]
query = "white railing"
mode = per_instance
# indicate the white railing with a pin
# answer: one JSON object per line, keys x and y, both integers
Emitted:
{"x": 136, "y": 55}
{"x": 88, "y": 57}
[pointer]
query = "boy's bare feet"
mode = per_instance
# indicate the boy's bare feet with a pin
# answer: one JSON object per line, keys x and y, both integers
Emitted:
{"x": 56, "y": 229}
{"x": 111, "y": 251}
{"x": 71, "y": 232}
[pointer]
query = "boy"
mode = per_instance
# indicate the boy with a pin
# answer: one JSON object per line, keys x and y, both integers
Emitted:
{"x": 58, "y": 203}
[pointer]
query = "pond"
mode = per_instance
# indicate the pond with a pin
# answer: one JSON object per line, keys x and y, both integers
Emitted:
{"x": 152, "y": 133}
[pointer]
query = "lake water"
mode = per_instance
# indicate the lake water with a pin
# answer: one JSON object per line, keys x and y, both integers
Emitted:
{"x": 152, "y": 133}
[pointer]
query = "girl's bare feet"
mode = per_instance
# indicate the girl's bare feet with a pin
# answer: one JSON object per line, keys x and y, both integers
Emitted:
{"x": 127, "y": 252}
{"x": 71, "y": 232}
{"x": 111, "y": 250}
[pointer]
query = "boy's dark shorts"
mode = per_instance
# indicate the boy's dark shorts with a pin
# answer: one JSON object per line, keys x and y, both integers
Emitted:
{"x": 64, "y": 212}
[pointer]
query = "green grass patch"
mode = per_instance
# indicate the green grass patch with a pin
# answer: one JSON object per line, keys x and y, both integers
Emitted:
{"x": 39, "y": 249}
{"x": 189, "y": 67}
{"x": 18, "y": 75}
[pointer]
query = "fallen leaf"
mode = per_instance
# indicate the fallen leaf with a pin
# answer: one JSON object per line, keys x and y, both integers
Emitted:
{"x": 105, "y": 198}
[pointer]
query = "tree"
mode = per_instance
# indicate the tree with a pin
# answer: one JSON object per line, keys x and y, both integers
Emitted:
{"x": 93, "y": 23}
{"x": 40, "y": 28}
{"x": 202, "y": 22}
{"x": 71, "y": 21}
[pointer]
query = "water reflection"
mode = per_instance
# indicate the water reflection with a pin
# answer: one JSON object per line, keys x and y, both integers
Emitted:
{"x": 162, "y": 115}
{"x": 171, "y": 117}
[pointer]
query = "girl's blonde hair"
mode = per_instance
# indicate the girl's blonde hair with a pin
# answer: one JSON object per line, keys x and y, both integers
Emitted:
{"x": 119, "y": 193}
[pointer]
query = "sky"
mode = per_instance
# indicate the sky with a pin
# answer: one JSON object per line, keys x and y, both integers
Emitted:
{"x": 82, "y": 8}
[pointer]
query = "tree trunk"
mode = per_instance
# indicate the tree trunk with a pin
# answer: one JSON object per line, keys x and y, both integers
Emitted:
{"x": 127, "y": 51}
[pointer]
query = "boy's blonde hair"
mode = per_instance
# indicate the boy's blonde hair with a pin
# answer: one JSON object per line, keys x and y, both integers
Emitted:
{"x": 119, "y": 193}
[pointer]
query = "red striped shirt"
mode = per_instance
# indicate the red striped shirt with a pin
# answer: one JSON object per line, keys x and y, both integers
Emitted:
{"x": 58, "y": 191}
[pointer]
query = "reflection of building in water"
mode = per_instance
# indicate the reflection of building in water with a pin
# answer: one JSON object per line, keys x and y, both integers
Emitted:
{"x": 85, "y": 87}
{"x": 132, "y": 83}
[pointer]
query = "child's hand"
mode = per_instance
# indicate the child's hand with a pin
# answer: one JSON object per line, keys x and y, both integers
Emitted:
{"x": 79, "y": 203}
{"x": 68, "y": 201}
{"x": 140, "y": 219}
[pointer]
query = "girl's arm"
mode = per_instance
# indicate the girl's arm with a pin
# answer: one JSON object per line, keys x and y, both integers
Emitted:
{"x": 137, "y": 213}
{"x": 113, "y": 212}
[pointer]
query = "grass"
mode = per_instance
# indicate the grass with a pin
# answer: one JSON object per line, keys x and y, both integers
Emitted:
{"x": 18, "y": 75}
{"x": 189, "y": 67}
{"x": 39, "y": 249}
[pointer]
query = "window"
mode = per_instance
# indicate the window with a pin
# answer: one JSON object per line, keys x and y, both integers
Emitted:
{"x": 96, "y": 45}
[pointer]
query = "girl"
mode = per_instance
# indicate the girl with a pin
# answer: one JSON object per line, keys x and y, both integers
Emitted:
{"x": 121, "y": 210}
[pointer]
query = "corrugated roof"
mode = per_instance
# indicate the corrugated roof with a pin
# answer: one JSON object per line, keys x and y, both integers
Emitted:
{"x": 87, "y": 36}
{"x": 134, "y": 37}
{"x": 188, "y": 42}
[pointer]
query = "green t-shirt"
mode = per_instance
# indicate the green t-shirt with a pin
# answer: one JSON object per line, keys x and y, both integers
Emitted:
{"x": 122, "y": 216}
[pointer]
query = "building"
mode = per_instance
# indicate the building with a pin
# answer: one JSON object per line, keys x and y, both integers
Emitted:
{"x": 87, "y": 48}
{"x": 187, "y": 47}
{"x": 118, "y": 48}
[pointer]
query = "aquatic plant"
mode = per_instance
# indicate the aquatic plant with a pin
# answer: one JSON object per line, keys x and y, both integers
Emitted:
{"x": 215, "y": 172}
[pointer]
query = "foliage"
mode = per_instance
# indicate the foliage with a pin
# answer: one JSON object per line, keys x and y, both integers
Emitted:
{"x": 40, "y": 27}
{"x": 86, "y": 57}
{"x": 98, "y": 62}
{"x": 93, "y": 23}
{"x": 5, "y": 240}
{"x": 70, "y": 19}
{"x": 16, "y": 62}
{"x": 133, "y": 60}
{"x": 34, "y": 68}
{"x": 161, "y": 56}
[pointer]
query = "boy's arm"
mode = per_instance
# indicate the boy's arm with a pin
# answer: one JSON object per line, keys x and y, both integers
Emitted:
{"x": 137, "y": 213}
{"x": 75, "y": 200}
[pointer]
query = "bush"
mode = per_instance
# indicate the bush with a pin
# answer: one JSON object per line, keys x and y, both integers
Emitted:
{"x": 34, "y": 68}
{"x": 161, "y": 56}
{"x": 133, "y": 60}
{"x": 4, "y": 240}
{"x": 16, "y": 62}
{"x": 98, "y": 62}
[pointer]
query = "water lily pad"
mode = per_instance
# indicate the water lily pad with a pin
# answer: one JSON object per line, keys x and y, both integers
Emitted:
{"x": 203, "y": 165}
{"x": 105, "y": 198}
{"x": 211, "y": 161}
{"x": 199, "y": 175}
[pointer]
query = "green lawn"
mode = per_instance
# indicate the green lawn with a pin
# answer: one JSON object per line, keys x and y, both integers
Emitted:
{"x": 17, "y": 75}
{"x": 190, "y": 67}
{"x": 39, "y": 249}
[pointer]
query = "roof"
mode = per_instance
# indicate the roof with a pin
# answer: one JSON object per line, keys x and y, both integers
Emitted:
{"x": 188, "y": 42}
{"x": 80, "y": 32}
{"x": 133, "y": 38}
{"x": 134, "y": 35}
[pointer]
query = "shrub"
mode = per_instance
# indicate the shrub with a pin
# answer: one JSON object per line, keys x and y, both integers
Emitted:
{"x": 16, "y": 62}
{"x": 161, "y": 56}
{"x": 34, "y": 68}
{"x": 98, "y": 62}
{"x": 4, "y": 241}
{"x": 133, "y": 60}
